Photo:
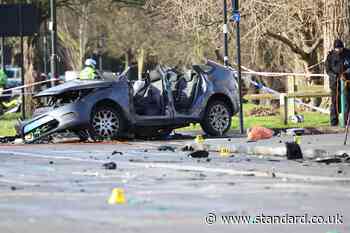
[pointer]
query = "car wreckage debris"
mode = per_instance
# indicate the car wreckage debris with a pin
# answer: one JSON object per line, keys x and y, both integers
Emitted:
{"x": 293, "y": 151}
{"x": 8, "y": 139}
{"x": 199, "y": 154}
{"x": 110, "y": 166}
{"x": 187, "y": 148}
{"x": 117, "y": 153}
{"x": 343, "y": 158}
{"x": 167, "y": 148}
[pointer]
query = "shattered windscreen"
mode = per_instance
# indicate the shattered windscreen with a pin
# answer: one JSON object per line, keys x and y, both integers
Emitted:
{"x": 56, "y": 101}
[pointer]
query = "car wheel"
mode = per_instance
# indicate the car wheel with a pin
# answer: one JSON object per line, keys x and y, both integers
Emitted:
{"x": 106, "y": 123}
{"x": 217, "y": 118}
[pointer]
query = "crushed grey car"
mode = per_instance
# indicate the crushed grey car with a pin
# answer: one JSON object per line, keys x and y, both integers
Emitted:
{"x": 108, "y": 109}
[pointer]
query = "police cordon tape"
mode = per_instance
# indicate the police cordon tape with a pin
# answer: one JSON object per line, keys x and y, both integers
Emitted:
{"x": 27, "y": 86}
{"x": 273, "y": 74}
{"x": 278, "y": 94}
{"x": 278, "y": 74}
{"x": 249, "y": 71}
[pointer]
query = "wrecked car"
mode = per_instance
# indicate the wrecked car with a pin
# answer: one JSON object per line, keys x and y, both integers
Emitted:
{"x": 111, "y": 108}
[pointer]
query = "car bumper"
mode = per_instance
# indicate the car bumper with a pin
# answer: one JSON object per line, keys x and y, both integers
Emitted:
{"x": 68, "y": 117}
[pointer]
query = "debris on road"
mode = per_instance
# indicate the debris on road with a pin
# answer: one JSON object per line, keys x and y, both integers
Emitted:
{"x": 259, "y": 133}
{"x": 187, "y": 148}
{"x": 51, "y": 162}
{"x": 8, "y": 139}
{"x": 167, "y": 148}
{"x": 199, "y": 154}
{"x": 13, "y": 188}
{"x": 343, "y": 158}
{"x": 110, "y": 166}
{"x": 117, "y": 152}
{"x": 293, "y": 151}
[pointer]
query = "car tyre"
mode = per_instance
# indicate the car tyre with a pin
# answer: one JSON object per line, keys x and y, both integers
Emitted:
{"x": 106, "y": 123}
{"x": 217, "y": 118}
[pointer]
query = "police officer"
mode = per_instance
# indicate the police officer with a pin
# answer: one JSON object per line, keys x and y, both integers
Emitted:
{"x": 3, "y": 79}
{"x": 338, "y": 67}
{"x": 89, "y": 72}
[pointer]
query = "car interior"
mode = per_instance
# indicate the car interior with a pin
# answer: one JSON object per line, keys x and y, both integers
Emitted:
{"x": 184, "y": 91}
{"x": 151, "y": 99}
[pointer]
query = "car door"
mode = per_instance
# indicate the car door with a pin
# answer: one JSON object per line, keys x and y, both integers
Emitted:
{"x": 166, "y": 115}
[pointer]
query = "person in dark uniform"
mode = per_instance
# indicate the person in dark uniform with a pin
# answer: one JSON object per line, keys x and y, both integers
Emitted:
{"x": 338, "y": 67}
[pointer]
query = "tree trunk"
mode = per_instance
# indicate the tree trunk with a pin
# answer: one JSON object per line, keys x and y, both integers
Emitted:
{"x": 29, "y": 75}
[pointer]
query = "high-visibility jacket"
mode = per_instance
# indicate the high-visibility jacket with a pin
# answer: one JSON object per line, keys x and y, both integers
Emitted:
{"x": 3, "y": 78}
{"x": 88, "y": 73}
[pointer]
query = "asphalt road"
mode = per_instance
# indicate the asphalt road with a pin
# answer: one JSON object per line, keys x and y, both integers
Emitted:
{"x": 64, "y": 188}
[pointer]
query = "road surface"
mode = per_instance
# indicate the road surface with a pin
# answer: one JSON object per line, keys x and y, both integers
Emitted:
{"x": 64, "y": 188}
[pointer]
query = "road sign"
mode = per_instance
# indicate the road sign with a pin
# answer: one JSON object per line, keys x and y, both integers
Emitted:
{"x": 236, "y": 16}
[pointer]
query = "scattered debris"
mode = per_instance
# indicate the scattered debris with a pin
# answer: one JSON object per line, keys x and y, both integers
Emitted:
{"x": 343, "y": 158}
{"x": 167, "y": 148}
{"x": 293, "y": 151}
{"x": 187, "y": 148}
{"x": 273, "y": 172}
{"x": 249, "y": 174}
{"x": 8, "y": 139}
{"x": 259, "y": 133}
{"x": 117, "y": 152}
{"x": 329, "y": 160}
{"x": 273, "y": 160}
{"x": 110, "y": 166}
{"x": 199, "y": 154}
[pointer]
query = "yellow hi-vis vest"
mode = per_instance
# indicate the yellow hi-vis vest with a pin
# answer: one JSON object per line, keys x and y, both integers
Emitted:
{"x": 87, "y": 73}
{"x": 3, "y": 78}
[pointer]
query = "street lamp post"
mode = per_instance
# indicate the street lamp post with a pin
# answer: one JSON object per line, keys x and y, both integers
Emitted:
{"x": 236, "y": 17}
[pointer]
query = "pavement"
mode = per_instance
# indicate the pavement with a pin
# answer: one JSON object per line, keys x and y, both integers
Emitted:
{"x": 63, "y": 187}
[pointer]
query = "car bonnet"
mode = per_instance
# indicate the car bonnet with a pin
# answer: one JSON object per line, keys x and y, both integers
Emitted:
{"x": 75, "y": 85}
